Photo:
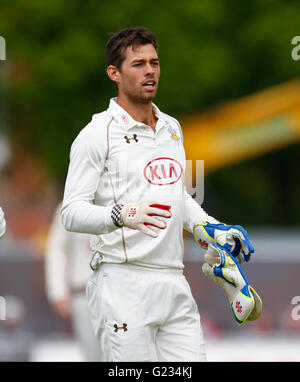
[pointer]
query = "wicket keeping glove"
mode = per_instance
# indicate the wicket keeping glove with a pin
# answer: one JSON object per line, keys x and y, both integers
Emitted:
{"x": 233, "y": 238}
{"x": 2, "y": 223}
{"x": 221, "y": 267}
{"x": 141, "y": 215}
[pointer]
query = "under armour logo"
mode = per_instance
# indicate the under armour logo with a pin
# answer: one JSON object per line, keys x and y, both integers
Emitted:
{"x": 238, "y": 307}
{"x": 131, "y": 139}
{"x": 124, "y": 327}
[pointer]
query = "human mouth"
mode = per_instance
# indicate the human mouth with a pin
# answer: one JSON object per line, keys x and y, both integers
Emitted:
{"x": 149, "y": 85}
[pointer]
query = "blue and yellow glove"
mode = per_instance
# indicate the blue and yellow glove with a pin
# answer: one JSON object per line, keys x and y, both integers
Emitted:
{"x": 221, "y": 267}
{"x": 233, "y": 238}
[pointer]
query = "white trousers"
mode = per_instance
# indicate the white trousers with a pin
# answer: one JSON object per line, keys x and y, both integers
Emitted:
{"x": 144, "y": 314}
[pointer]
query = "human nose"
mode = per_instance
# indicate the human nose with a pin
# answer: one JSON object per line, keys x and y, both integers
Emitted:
{"x": 149, "y": 69}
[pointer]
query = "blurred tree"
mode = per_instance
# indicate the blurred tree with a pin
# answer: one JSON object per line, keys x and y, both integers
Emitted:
{"x": 261, "y": 191}
{"x": 210, "y": 51}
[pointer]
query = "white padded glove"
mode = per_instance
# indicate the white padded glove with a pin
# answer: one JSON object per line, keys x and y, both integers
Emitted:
{"x": 2, "y": 223}
{"x": 141, "y": 215}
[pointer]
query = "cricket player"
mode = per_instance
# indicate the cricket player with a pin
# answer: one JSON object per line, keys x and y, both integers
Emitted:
{"x": 125, "y": 186}
{"x": 66, "y": 271}
{"x": 2, "y": 223}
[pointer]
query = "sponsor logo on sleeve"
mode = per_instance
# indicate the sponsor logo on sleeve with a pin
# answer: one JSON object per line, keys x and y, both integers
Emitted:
{"x": 173, "y": 134}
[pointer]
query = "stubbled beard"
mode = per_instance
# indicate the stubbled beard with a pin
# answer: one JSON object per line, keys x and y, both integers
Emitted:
{"x": 138, "y": 98}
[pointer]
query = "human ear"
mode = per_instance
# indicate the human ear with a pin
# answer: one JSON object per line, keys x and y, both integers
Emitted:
{"x": 113, "y": 73}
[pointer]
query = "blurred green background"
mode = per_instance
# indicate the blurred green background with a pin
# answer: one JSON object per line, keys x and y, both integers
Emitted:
{"x": 211, "y": 51}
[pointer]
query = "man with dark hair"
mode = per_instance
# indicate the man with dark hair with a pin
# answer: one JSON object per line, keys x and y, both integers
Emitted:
{"x": 117, "y": 44}
{"x": 125, "y": 186}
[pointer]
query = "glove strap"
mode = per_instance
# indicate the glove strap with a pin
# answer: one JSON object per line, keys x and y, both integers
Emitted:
{"x": 116, "y": 215}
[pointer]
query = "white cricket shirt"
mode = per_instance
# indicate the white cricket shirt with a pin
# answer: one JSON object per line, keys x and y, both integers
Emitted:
{"x": 116, "y": 159}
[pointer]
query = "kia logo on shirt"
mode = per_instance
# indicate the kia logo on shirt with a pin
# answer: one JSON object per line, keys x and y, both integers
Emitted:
{"x": 163, "y": 171}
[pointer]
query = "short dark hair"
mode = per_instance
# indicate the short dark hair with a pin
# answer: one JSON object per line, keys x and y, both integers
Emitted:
{"x": 121, "y": 40}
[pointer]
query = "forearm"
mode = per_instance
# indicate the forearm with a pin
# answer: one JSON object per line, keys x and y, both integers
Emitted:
{"x": 207, "y": 229}
{"x": 84, "y": 217}
{"x": 194, "y": 213}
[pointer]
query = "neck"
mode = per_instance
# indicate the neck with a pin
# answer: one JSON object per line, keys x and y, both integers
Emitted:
{"x": 140, "y": 112}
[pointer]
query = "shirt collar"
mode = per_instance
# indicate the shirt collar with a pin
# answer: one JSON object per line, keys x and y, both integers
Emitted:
{"x": 127, "y": 121}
